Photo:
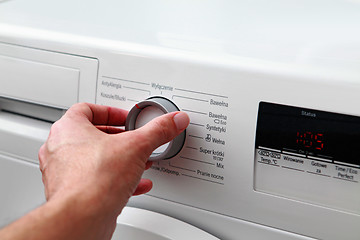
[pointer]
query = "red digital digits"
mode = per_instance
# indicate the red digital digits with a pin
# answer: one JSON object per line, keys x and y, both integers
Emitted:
{"x": 310, "y": 140}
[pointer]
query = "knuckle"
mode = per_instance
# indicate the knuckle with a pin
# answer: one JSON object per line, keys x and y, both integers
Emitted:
{"x": 56, "y": 125}
{"x": 80, "y": 105}
{"x": 77, "y": 108}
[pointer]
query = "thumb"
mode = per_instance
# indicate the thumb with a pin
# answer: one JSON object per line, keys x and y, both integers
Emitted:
{"x": 160, "y": 130}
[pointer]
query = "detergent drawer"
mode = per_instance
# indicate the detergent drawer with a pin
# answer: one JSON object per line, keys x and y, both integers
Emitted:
{"x": 46, "y": 77}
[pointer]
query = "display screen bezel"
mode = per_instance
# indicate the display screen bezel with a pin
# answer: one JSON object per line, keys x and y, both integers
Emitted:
{"x": 331, "y": 137}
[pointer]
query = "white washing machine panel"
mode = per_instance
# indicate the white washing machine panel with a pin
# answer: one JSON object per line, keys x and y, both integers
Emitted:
{"x": 135, "y": 223}
{"x": 219, "y": 64}
{"x": 215, "y": 171}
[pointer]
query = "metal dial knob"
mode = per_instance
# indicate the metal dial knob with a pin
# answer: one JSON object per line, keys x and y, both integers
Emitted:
{"x": 145, "y": 111}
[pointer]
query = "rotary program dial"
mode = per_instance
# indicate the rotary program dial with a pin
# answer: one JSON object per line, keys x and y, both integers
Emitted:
{"x": 145, "y": 111}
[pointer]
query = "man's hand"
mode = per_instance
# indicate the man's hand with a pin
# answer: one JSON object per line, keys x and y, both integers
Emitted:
{"x": 90, "y": 169}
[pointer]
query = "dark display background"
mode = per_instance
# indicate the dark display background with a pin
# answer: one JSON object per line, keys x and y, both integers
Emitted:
{"x": 283, "y": 127}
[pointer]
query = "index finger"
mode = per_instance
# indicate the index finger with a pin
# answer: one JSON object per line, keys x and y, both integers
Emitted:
{"x": 98, "y": 114}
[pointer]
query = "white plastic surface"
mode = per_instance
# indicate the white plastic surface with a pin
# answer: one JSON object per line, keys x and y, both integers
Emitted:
{"x": 135, "y": 223}
{"x": 46, "y": 77}
{"x": 28, "y": 79}
{"x": 22, "y": 136}
{"x": 21, "y": 188}
{"x": 146, "y": 115}
{"x": 308, "y": 33}
{"x": 237, "y": 52}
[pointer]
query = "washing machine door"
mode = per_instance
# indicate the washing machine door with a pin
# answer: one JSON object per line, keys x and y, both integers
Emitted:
{"x": 135, "y": 223}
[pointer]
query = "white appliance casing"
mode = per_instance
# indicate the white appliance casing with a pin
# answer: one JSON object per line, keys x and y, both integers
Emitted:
{"x": 224, "y": 58}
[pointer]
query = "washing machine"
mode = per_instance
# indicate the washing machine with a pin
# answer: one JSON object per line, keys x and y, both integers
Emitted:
{"x": 271, "y": 88}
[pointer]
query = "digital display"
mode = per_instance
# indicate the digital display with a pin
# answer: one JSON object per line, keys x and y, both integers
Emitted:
{"x": 310, "y": 140}
{"x": 331, "y": 137}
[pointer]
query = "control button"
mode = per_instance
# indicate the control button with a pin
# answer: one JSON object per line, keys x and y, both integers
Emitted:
{"x": 144, "y": 112}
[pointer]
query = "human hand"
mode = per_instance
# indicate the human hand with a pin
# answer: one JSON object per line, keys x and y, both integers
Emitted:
{"x": 90, "y": 170}
{"x": 85, "y": 156}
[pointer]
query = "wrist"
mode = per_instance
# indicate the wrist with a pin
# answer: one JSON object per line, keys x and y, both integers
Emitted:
{"x": 92, "y": 197}
{"x": 79, "y": 217}
{"x": 62, "y": 218}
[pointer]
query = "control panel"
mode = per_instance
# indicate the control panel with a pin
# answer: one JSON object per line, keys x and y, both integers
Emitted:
{"x": 246, "y": 158}
{"x": 200, "y": 153}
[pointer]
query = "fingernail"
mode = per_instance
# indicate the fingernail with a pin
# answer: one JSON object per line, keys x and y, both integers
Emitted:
{"x": 181, "y": 120}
